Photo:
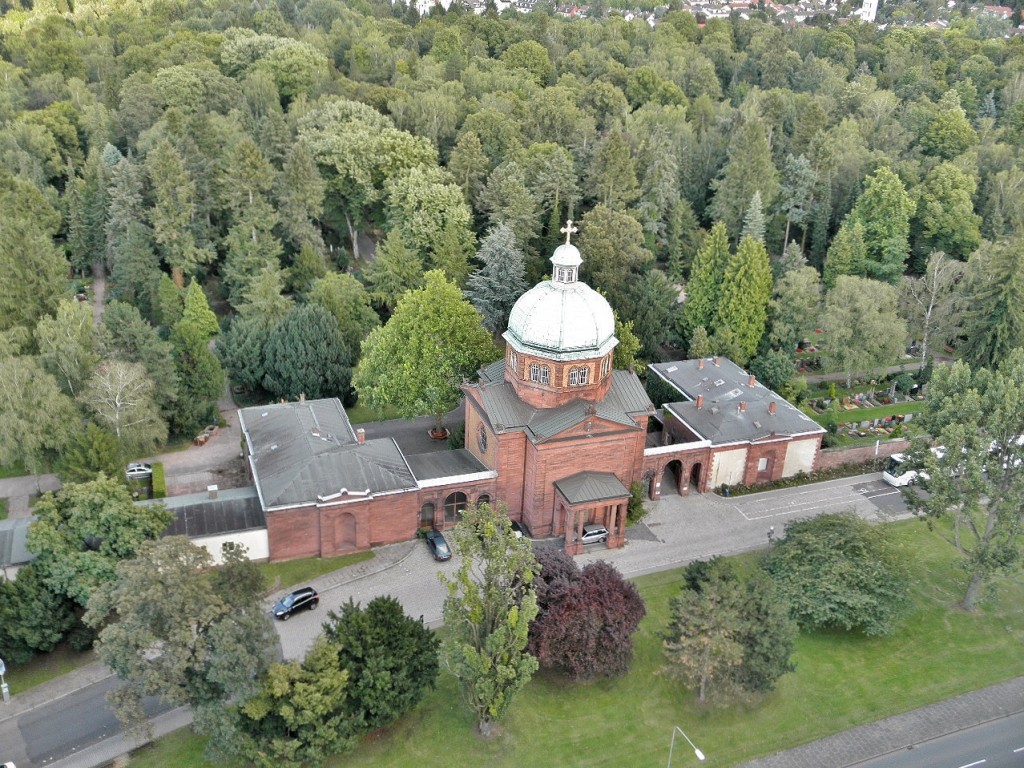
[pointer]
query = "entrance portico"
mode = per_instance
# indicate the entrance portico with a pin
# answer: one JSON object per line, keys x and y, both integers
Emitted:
{"x": 591, "y": 497}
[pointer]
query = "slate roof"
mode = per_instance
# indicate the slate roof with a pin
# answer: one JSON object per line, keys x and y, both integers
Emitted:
{"x": 302, "y": 452}
{"x": 589, "y": 487}
{"x": 626, "y": 398}
{"x": 197, "y": 515}
{"x": 13, "y": 550}
{"x": 724, "y": 387}
{"x": 438, "y": 464}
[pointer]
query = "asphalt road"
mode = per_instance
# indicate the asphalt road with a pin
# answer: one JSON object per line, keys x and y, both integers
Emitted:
{"x": 68, "y": 725}
{"x": 678, "y": 530}
{"x": 996, "y": 744}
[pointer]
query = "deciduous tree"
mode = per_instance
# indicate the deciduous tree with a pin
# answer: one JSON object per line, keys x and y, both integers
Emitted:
{"x": 82, "y": 532}
{"x": 840, "y": 572}
{"x": 215, "y": 640}
{"x": 977, "y": 481}
{"x": 68, "y": 344}
{"x": 123, "y": 399}
{"x": 586, "y": 626}
{"x": 862, "y": 329}
{"x": 416, "y": 362}
{"x": 932, "y": 303}
{"x": 487, "y": 613}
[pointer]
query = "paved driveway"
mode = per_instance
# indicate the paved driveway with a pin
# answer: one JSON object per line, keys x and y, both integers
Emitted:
{"x": 676, "y": 531}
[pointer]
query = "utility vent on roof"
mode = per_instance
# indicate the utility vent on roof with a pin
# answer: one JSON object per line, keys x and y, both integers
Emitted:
{"x": 673, "y": 369}
{"x": 757, "y": 425}
{"x": 264, "y": 413}
{"x": 734, "y": 393}
{"x": 273, "y": 447}
{"x": 714, "y": 410}
{"x": 719, "y": 382}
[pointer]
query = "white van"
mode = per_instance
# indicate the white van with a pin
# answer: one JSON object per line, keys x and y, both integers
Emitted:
{"x": 897, "y": 472}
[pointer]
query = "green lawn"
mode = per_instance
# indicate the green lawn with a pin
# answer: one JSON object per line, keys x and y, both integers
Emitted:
{"x": 841, "y": 681}
{"x": 292, "y": 572}
{"x": 46, "y": 666}
{"x": 362, "y": 414}
{"x": 854, "y": 415}
{"x": 13, "y": 470}
{"x": 3, "y": 509}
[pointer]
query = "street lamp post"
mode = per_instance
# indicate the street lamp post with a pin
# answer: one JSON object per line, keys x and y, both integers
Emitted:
{"x": 3, "y": 683}
{"x": 771, "y": 536}
{"x": 697, "y": 752}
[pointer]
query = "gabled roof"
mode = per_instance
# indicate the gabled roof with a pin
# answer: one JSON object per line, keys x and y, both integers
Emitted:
{"x": 590, "y": 487}
{"x": 305, "y": 452}
{"x": 625, "y": 400}
{"x": 13, "y": 533}
{"x": 723, "y": 405}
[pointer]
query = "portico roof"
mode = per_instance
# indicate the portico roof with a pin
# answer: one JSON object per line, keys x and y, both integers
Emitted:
{"x": 591, "y": 488}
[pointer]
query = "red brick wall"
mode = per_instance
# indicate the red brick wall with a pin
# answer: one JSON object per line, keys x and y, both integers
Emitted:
{"x": 833, "y": 457}
{"x": 557, "y": 391}
{"x": 775, "y": 453}
{"x": 293, "y": 533}
{"x": 619, "y": 452}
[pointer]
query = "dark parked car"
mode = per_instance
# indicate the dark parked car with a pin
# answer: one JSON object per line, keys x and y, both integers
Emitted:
{"x": 438, "y": 545}
{"x": 593, "y": 534}
{"x": 306, "y": 597}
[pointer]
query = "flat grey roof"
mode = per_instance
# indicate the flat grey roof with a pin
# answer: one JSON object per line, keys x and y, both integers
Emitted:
{"x": 732, "y": 410}
{"x": 587, "y": 487}
{"x": 438, "y": 464}
{"x": 197, "y": 515}
{"x": 13, "y": 550}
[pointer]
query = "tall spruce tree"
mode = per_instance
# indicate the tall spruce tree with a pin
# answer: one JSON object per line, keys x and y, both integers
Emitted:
{"x": 704, "y": 287}
{"x": 494, "y": 288}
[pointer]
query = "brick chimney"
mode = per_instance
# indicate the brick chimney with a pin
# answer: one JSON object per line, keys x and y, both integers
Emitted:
{"x": 360, "y": 435}
{"x": 743, "y": 406}
{"x": 716, "y": 362}
{"x": 771, "y": 407}
{"x": 700, "y": 364}
{"x": 752, "y": 380}
{"x": 700, "y": 402}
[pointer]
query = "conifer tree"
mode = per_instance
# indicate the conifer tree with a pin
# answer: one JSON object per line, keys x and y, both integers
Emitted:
{"x": 494, "y": 288}
{"x": 703, "y": 289}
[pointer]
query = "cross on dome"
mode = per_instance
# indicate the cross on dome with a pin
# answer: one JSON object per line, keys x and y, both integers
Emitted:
{"x": 569, "y": 230}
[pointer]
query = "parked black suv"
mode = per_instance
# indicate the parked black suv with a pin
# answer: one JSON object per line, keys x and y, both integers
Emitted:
{"x": 306, "y": 597}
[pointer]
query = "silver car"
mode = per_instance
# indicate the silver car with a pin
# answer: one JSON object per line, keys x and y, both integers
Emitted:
{"x": 138, "y": 470}
{"x": 594, "y": 534}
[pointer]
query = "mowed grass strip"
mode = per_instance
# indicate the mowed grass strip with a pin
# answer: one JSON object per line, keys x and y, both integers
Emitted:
{"x": 292, "y": 572}
{"x": 841, "y": 680}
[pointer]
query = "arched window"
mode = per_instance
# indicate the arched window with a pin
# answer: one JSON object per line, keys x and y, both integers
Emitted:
{"x": 545, "y": 375}
{"x": 606, "y": 364}
{"x": 578, "y": 376}
{"x": 534, "y": 372}
{"x": 427, "y": 515}
{"x": 483, "y": 498}
{"x": 454, "y": 506}
{"x": 513, "y": 361}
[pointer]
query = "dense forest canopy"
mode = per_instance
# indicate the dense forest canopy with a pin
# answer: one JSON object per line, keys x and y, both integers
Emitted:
{"x": 299, "y": 166}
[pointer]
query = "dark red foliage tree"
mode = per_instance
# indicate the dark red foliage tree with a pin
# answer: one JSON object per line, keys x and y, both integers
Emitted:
{"x": 586, "y": 629}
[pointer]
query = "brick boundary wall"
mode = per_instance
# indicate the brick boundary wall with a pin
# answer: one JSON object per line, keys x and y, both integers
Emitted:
{"x": 833, "y": 457}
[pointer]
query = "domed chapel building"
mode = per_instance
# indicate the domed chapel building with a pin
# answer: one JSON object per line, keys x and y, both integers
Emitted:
{"x": 552, "y": 431}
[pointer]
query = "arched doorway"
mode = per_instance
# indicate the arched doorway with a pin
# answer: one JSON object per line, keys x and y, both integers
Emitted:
{"x": 670, "y": 478}
{"x": 695, "y": 471}
{"x": 483, "y": 498}
{"x": 454, "y": 506}
{"x": 427, "y": 515}
{"x": 345, "y": 532}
